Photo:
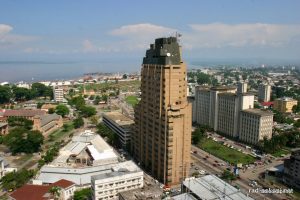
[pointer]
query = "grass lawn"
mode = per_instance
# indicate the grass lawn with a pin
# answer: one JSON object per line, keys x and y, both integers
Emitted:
{"x": 280, "y": 152}
{"x": 132, "y": 100}
{"x": 129, "y": 86}
{"x": 60, "y": 133}
{"x": 225, "y": 153}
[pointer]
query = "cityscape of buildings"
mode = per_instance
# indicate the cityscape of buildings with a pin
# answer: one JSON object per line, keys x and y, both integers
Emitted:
{"x": 150, "y": 101}
{"x": 143, "y": 139}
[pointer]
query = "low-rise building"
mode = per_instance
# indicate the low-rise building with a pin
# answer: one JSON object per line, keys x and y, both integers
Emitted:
{"x": 123, "y": 177}
{"x": 5, "y": 168}
{"x": 3, "y": 128}
{"x": 31, "y": 104}
{"x": 211, "y": 187}
{"x": 285, "y": 104}
{"x": 149, "y": 191}
{"x": 42, "y": 192}
{"x": 85, "y": 156}
{"x": 291, "y": 173}
{"x": 120, "y": 124}
{"x": 86, "y": 149}
{"x": 23, "y": 113}
{"x": 47, "y": 123}
{"x": 255, "y": 124}
{"x": 48, "y": 106}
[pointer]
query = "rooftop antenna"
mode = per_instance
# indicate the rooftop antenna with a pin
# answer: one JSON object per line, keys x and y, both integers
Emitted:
{"x": 178, "y": 35}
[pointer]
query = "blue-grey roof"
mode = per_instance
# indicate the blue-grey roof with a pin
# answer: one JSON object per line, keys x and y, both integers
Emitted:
{"x": 211, "y": 187}
{"x": 80, "y": 176}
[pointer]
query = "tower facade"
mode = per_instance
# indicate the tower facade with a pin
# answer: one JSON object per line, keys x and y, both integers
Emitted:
{"x": 161, "y": 141}
{"x": 264, "y": 92}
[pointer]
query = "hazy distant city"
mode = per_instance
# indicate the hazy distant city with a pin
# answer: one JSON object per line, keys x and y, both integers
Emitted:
{"x": 149, "y": 100}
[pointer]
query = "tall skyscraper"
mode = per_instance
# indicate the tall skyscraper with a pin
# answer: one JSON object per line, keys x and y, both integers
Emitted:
{"x": 161, "y": 141}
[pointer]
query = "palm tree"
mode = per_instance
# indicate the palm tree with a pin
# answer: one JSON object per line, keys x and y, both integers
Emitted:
{"x": 55, "y": 191}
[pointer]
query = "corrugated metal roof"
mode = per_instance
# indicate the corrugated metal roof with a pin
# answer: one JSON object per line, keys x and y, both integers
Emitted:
{"x": 211, "y": 187}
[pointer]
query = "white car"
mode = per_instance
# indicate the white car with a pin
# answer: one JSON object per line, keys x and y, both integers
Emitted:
{"x": 202, "y": 172}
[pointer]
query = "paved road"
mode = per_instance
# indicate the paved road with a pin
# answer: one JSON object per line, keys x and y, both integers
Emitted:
{"x": 210, "y": 165}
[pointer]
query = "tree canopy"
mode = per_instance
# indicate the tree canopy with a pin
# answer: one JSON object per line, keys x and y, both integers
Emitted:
{"x": 78, "y": 122}
{"x": 5, "y": 94}
{"x": 41, "y": 90}
{"x": 21, "y": 122}
{"x": 83, "y": 194}
{"x": 14, "y": 180}
{"x": 106, "y": 132}
{"x": 23, "y": 140}
{"x": 62, "y": 110}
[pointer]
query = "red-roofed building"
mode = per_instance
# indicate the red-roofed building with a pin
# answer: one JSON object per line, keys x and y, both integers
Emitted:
{"x": 41, "y": 192}
{"x": 267, "y": 104}
{"x": 32, "y": 192}
{"x": 67, "y": 188}
{"x": 28, "y": 114}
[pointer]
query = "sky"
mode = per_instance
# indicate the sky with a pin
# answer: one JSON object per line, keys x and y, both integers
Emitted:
{"x": 116, "y": 32}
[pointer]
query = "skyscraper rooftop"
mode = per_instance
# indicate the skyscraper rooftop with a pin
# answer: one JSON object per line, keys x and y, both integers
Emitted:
{"x": 165, "y": 51}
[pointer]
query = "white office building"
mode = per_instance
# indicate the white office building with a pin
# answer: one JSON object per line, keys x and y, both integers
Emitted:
{"x": 58, "y": 94}
{"x": 264, "y": 92}
{"x": 123, "y": 177}
{"x": 255, "y": 125}
{"x": 242, "y": 87}
{"x": 120, "y": 124}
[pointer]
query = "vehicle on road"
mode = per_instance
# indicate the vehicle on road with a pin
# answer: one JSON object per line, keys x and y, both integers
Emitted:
{"x": 202, "y": 172}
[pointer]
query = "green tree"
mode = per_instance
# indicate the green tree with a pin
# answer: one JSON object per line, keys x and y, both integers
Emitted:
{"x": 296, "y": 108}
{"x": 297, "y": 123}
{"x": 40, "y": 104}
{"x": 55, "y": 191}
{"x": 5, "y": 94}
{"x": 22, "y": 94}
{"x": 20, "y": 122}
{"x": 62, "y": 110}
{"x": 78, "y": 102}
{"x": 97, "y": 100}
{"x": 51, "y": 110}
{"x": 78, "y": 122}
{"x": 198, "y": 135}
{"x": 40, "y": 90}
{"x": 228, "y": 176}
{"x": 203, "y": 78}
{"x": 22, "y": 140}
{"x": 124, "y": 76}
{"x": 94, "y": 119}
{"x": 104, "y": 98}
{"x": 16, "y": 179}
{"x": 71, "y": 92}
{"x": 106, "y": 132}
{"x": 83, "y": 194}
{"x": 88, "y": 111}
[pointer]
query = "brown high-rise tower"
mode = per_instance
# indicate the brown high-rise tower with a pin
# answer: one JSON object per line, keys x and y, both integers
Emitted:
{"x": 161, "y": 141}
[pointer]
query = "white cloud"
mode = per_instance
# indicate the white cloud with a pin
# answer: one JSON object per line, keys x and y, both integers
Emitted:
{"x": 139, "y": 36}
{"x": 88, "y": 46}
{"x": 5, "y": 29}
{"x": 218, "y": 35}
{"x": 8, "y": 39}
{"x": 142, "y": 30}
